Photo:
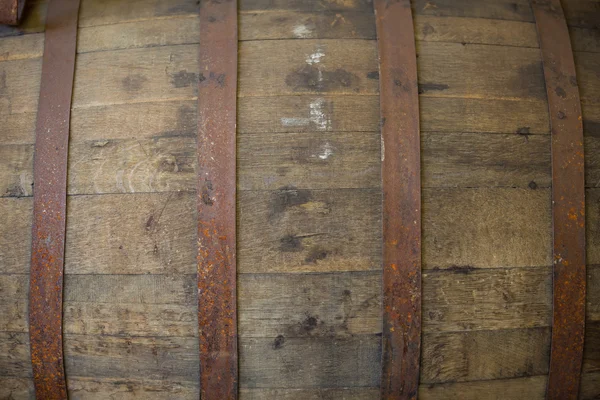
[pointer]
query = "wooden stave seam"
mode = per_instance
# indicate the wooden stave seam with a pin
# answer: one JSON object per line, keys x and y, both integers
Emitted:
{"x": 568, "y": 201}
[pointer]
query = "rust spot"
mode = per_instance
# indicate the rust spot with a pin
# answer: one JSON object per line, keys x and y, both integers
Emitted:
{"x": 560, "y": 92}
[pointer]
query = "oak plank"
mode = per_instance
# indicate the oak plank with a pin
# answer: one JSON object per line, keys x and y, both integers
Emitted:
{"x": 283, "y": 306}
{"x": 591, "y": 348}
{"x": 582, "y": 13}
{"x": 486, "y": 228}
{"x": 16, "y": 388}
{"x": 592, "y": 224}
{"x": 136, "y": 120}
{"x": 587, "y": 66}
{"x": 590, "y": 386}
{"x": 305, "y": 113}
{"x": 15, "y": 359}
{"x": 482, "y": 299}
{"x": 170, "y": 359}
{"x": 108, "y": 12}
{"x": 136, "y": 75}
{"x": 306, "y": 5}
{"x": 309, "y": 160}
{"x": 480, "y": 71}
{"x": 592, "y": 308}
{"x": 315, "y": 362}
{"x": 21, "y": 47}
{"x": 432, "y": 28}
{"x": 364, "y": 393}
{"x": 286, "y": 24}
{"x": 518, "y": 10}
{"x": 136, "y": 34}
{"x": 15, "y": 234}
{"x": 584, "y": 39}
{"x": 484, "y": 355}
{"x": 311, "y": 66}
{"x": 279, "y": 67}
{"x": 19, "y": 85}
{"x": 299, "y": 230}
{"x": 310, "y": 362}
{"x": 130, "y": 166}
{"x": 480, "y": 160}
{"x": 483, "y": 115}
{"x": 17, "y": 128}
{"x": 94, "y": 388}
{"x": 533, "y": 388}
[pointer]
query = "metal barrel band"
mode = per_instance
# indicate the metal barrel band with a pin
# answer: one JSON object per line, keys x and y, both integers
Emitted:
{"x": 216, "y": 200}
{"x": 49, "y": 200}
{"x": 401, "y": 174}
{"x": 568, "y": 200}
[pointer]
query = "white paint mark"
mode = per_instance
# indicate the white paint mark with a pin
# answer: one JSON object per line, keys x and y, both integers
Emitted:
{"x": 295, "y": 121}
{"x": 315, "y": 57}
{"x": 302, "y": 31}
{"x": 326, "y": 151}
{"x": 318, "y": 116}
{"x": 382, "y": 149}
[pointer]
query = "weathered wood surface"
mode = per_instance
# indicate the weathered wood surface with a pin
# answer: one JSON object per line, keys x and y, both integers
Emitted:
{"x": 309, "y": 243}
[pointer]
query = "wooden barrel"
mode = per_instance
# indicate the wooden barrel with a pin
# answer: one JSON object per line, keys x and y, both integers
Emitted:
{"x": 309, "y": 241}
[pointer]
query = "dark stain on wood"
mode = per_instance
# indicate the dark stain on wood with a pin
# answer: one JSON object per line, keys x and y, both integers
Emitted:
{"x": 186, "y": 124}
{"x": 373, "y": 75}
{"x": 278, "y": 342}
{"x": 427, "y": 29}
{"x": 560, "y": 92}
{"x": 184, "y": 79}
{"x": 591, "y": 128}
{"x": 312, "y": 78}
{"x": 316, "y": 254}
{"x": 461, "y": 269}
{"x": 286, "y": 197}
{"x": 134, "y": 83}
{"x": 429, "y": 87}
{"x": 532, "y": 185}
{"x": 15, "y": 190}
{"x": 524, "y": 130}
{"x": 529, "y": 80}
{"x": 291, "y": 243}
{"x": 182, "y": 8}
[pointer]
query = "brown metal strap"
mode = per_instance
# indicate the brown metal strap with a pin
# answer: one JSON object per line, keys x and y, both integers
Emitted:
{"x": 49, "y": 200}
{"x": 400, "y": 147}
{"x": 568, "y": 200}
{"x": 217, "y": 314}
{"x": 11, "y": 11}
